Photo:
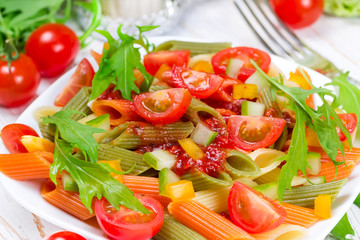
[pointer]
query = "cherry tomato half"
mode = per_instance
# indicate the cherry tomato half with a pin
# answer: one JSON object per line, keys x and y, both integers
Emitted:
{"x": 82, "y": 76}
{"x": 164, "y": 106}
{"x": 298, "y": 13}
{"x": 252, "y": 211}
{"x": 21, "y": 84}
{"x": 221, "y": 60}
{"x": 128, "y": 224}
{"x": 53, "y": 47}
{"x": 225, "y": 91}
{"x": 200, "y": 84}
{"x": 154, "y": 60}
{"x": 250, "y": 133}
{"x": 350, "y": 121}
{"x": 65, "y": 235}
{"x": 11, "y": 135}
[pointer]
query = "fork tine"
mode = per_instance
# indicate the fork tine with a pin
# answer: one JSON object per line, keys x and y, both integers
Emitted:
{"x": 267, "y": 31}
{"x": 287, "y": 34}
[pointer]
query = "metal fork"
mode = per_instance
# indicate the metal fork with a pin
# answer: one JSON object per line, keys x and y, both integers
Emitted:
{"x": 279, "y": 39}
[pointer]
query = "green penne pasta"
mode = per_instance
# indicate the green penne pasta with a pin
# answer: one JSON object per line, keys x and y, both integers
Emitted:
{"x": 214, "y": 199}
{"x": 47, "y": 130}
{"x": 240, "y": 165}
{"x": 194, "y": 47}
{"x": 305, "y": 195}
{"x": 197, "y": 108}
{"x": 79, "y": 103}
{"x": 155, "y": 88}
{"x": 128, "y": 158}
{"x": 114, "y": 133}
{"x": 202, "y": 181}
{"x": 150, "y": 173}
{"x": 172, "y": 229}
{"x": 142, "y": 134}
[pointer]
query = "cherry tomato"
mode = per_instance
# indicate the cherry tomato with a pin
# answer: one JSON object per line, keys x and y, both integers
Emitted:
{"x": 165, "y": 106}
{"x": 200, "y": 84}
{"x": 53, "y": 47}
{"x": 221, "y": 60}
{"x": 21, "y": 84}
{"x": 252, "y": 211}
{"x": 11, "y": 135}
{"x": 298, "y": 13}
{"x": 82, "y": 76}
{"x": 154, "y": 60}
{"x": 226, "y": 90}
{"x": 350, "y": 121}
{"x": 65, "y": 235}
{"x": 250, "y": 133}
{"x": 128, "y": 224}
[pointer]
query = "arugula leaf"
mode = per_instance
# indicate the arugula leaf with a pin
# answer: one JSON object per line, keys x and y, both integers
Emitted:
{"x": 80, "y": 135}
{"x": 348, "y": 96}
{"x": 342, "y": 229}
{"x": 296, "y": 159}
{"x": 118, "y": 63}
{"x": 93, "y": 179}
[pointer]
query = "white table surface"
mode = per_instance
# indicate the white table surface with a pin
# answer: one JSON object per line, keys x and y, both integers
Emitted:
{"x": 335, "y": 38}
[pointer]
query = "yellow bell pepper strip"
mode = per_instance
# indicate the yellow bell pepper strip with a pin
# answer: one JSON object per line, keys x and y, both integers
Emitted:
{"x": 115, "y": 164}
{"x": 182, "y": 190}
{"x": 190, "y": 147}
{"x": 323, "y": 206}
{"x": 34, "y": 144}
{"x": 311, "y": 138}
{"x": 248, "y": 91}
{"x": 299, "y": 78}
{"x": 163, "y": 68}
{"x": 203, "y": 66}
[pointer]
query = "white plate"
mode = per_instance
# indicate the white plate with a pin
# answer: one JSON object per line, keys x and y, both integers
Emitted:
{"x": 28, "y": 193}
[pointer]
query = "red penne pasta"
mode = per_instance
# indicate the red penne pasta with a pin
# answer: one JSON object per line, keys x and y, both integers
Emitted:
{"x": 145, "y": 185}
{"x": 26, "y": 166}
{"x": 206, "y": 222}
{"x": 65, "y": 200}
{"x": 297, "y": 215}
{"x": 120, "y": 110}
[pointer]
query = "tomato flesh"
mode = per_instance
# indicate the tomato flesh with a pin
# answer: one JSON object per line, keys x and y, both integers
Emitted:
{"x": 252, "y": 211}
{"x": 65, "y": 235}
{"x": 11, "y": 135}
{"x": 200, "y": 84}
{"x": 164, "y": 106}
{"x": 82, "y": 76}
{"x": 154, "y": 60}
{"x": 53, "y": 47}
{"x": 221, "y": 60}
{"x": 129, "y": 224}
{"x": 298, "y": 13}
{"x": 20, "y": 85}
{"x": 250, "y": 133}
{"x": 350, "y": 121}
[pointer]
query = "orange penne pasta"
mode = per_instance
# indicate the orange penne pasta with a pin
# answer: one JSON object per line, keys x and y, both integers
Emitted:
{"x": 145, "y": 185}
{"x": 297, "y": 215}
{"x": 120, "y": 110}
{"x": 206, "y": 222}
{"x": 26, "y": 166}
{"x": 65, "y": 200}
{"x": 353, "y": 155}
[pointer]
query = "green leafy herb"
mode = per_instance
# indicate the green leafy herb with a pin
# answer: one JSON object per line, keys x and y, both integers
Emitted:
{"x": 323, "y": 121}
{"x": 118, "y": 63}
{"x": 93, "y": 179}
{"x": 357, "y": 201}
{"x": 348, "y": 96}
{"x": 80, "y": 135}
{"x": 343, "y": 229}
{"x": 296, "y": 159}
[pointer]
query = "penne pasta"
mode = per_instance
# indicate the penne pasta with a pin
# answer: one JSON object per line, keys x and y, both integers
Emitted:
{"x": 206, "y": 222}
{"x": 148, "y": 186}
{"x": 283, "y": 232}
{"x": 26, "y": 166}
{"x": 120, "y": 110}
{"x": 267, "y": 159}
{"x": 297, "y": 215}
{"x": 65, "y": 200}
